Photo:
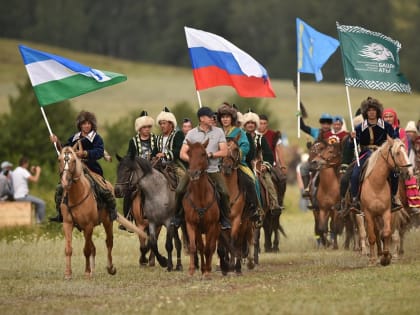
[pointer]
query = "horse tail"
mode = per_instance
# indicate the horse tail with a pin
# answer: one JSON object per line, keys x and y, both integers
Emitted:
{"x": 130, "y": 226}
{"x": 282, "y": 231}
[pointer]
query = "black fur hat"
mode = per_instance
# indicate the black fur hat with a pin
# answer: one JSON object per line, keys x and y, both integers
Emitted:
{"x": 86, "y": 116}
{"x": 371, "y": 103}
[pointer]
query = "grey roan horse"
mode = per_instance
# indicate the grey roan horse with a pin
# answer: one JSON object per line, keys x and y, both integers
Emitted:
{"x": 158, "y": 203}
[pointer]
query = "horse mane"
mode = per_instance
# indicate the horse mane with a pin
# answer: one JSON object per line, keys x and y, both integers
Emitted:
{"x": 374, "y": 157}
{"x": 145, "y": 165}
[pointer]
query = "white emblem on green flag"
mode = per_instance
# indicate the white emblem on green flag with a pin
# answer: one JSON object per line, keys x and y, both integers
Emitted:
{"x": 370, "y": 60}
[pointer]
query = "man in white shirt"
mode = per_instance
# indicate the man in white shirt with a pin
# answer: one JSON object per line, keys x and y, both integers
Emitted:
{"x": 20, "y": 178}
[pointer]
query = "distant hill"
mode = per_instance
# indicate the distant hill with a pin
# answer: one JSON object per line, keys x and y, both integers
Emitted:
{"x": 152, "y": 87}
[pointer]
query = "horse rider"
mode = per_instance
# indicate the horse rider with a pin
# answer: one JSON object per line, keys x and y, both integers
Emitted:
{"x": 227, "y": 116}
{"x": 369, "y": 135}
{"x": 216, "y": 149}
{"x": 143, "y": 144}
{"x": 322, "y": 133}
{"x": 93, "y": 150}
{"x": 275, "y": 143}
{"x": 339, "y": 127}
{"x": 412, "y": 193}
{"x": 251, "y": 124}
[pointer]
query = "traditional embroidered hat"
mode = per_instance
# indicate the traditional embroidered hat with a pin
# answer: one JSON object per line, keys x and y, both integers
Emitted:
{"x": 227, "y": 109}
{"x": 86, "y": 116}
{"x": 250, "y": 116}
{"x": 371, "y": 103}
{"x": 143, "y": 120}
{"x": 165, "y": 114}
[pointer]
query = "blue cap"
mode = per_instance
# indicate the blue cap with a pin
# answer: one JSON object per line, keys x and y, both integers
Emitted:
{"x": 326, "y": 118}
{"x": 339, "y": 118}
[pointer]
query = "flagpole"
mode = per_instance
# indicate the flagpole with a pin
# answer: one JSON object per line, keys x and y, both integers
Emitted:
{"x": 199, "y": 98}
{"x": 298, "y": 104}
{"x": 356, "y": 152}
{"x": 49, "y": 128}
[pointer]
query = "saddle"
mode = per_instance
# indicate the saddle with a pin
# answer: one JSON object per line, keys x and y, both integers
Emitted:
{"x": 169, "y": 171}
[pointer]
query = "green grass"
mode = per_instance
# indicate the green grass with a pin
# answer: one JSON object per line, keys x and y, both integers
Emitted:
{"x": 301, "y": 279}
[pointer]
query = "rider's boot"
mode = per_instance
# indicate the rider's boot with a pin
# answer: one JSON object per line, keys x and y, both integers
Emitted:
{"x": 58, "y": 198}
{"x": 111, "y": 205}
{"x": 305, "y": 180}
{"x": 395, "y": 203}
{"x": 355, "y": 206}
{"x": 224, "y": 213}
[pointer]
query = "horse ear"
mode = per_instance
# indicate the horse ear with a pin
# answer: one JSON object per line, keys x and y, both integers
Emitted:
{"x": 119, "y": 158}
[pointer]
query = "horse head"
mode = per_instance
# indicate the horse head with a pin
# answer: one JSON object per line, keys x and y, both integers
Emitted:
{"x": 329, "y": 156}
{"x": 69, "y": 166}
{"x": 125, "y": 175}
{"x": 232, "y": 160}
{"x": 197, "y": 157}
{"x": 397, "y": 156}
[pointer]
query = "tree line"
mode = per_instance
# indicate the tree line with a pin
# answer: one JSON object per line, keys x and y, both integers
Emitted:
{"x": 152, "y": 30}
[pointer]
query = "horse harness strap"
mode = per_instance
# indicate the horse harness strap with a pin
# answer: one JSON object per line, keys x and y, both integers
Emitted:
{"x": 69, "y": 208}
{"x": 201, "y": 211}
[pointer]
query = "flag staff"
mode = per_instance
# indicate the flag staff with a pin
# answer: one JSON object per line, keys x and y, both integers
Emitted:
{"x": 298, "y": 114}
{"x": 199, "y": 97}
{"x": 356, "y": 152}
{"x": 49, "y": 128}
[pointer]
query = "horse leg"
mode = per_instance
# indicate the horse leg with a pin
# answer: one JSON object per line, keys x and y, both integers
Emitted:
{"x": 276, "y": 233}
{"x": 169, "y": 245}
{"x": 210, "y": 248}
{"x": 386, "y": 233}
{"x": 256, "y": 240}
{"x": 251, "y": 248}
{"x": 362, "y": 234}
{"x": 267, "y": 233}
{"x": 372, "y": 237}
{"x": 163, "y": 262}
{"x": 68, "y": 250}
{"x": 192, "y": 248}
{"x": 395, "y": 242}
{"x": 178, "y": 248}
{"x": 89, "y": 251}
{"x": 108, "y": 224}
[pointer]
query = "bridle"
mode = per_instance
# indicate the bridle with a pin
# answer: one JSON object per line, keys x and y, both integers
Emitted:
{"x": 395, "y": 167}
{"x": 66, "y": 169}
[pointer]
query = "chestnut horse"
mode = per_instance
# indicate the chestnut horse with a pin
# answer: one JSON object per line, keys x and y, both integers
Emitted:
{"x": 327, "y": 163}
{"x": 201, "y": 210}
{"x": 80, "y": 209}
{"x": 242, "y": 227}
{"x": 375, "y": 195}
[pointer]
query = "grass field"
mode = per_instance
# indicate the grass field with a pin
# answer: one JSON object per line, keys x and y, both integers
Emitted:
{"x": 301, "y": 279}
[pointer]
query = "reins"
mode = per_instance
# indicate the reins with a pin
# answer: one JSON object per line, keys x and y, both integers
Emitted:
{"x": 396, "y": 167}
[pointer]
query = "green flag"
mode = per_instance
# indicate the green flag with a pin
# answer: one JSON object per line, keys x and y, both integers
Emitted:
{"x": 370, "y": 60}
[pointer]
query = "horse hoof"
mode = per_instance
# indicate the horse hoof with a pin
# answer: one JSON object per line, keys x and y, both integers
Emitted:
{"x": 250, "y": 265}
{"x": 67, "y": 277}
{"x": 112, "y": 270}
{"x": 178, "y": 268}
{"x": 170, "y": 268}
{"x": 385, "y": 260}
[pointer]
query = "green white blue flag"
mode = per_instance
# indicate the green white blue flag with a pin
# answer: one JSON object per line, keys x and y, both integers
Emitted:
{"x": 370, "y": 60}
{"x": 55, "y": 78}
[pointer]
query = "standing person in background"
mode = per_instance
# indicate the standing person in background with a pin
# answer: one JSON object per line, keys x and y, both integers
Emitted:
{"x": 20, "y": 177}
{"x": 6, "y": 184}
{"x": 186, "y": 125}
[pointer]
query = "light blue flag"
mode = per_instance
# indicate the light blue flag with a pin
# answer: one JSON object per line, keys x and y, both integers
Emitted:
{"x": 313, "y": 48}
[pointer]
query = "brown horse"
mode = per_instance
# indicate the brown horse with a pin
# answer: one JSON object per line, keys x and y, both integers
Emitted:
{"x": 242, "y": 227}
{"x": 201, "y": 209}
{"x": 327, "y": 195}
{"x": 375, "y": 196}
{"x": 80, "y": 209}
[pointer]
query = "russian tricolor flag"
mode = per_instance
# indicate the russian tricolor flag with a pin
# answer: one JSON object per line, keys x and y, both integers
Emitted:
{"x": 216, "y": 62}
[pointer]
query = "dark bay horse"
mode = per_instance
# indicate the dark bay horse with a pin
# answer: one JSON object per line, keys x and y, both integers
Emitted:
{"x": 201, "y": 210}
{"x": 327, "y": 163}
{"x": 242, "y": 227}
{"x": 158, "y": 206}
{"x": 80, "y": 209}
{"x": 375, "y": 195}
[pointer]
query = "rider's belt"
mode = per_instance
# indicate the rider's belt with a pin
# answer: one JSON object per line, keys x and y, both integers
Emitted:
{"x": 369, "y": 147}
